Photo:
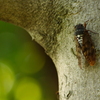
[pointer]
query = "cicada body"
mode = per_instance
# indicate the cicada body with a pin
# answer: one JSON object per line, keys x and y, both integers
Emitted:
{"x": 84, "y": 45}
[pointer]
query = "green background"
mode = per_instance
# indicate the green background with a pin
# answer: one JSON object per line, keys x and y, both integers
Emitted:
{"x": 26, "y": 72}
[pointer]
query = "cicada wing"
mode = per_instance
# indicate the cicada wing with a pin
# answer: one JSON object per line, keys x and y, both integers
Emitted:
{"x": 88, "y": 49}
{"x": 79, "y": 53}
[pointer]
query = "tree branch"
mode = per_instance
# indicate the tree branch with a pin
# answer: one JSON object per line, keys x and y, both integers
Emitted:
{"x": 50, "y": 23}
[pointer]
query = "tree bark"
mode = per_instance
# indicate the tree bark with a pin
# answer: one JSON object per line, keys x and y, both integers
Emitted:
{"x": 51, "y": 24}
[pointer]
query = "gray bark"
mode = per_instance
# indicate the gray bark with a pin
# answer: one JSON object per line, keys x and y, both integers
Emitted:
{"x": 51, "y": 24}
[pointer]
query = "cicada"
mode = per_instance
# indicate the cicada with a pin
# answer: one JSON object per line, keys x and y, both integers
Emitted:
{"x": 84, "y": 44}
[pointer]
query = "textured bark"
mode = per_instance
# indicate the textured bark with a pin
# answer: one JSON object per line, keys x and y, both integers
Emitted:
{"x": 50, "y": 23}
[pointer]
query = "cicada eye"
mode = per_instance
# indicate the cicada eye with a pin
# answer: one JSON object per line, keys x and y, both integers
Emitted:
{"x": 76, "y": 26}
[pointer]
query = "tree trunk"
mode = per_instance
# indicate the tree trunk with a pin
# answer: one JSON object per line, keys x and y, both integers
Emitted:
{"x": 51, "y": 24}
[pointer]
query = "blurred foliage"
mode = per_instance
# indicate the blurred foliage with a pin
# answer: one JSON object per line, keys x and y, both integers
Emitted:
{"x": 26, "y": 72}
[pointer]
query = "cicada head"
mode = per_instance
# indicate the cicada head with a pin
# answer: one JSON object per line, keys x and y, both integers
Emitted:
{"x": 79, "y": 26}
{"x": 79, "y": 29}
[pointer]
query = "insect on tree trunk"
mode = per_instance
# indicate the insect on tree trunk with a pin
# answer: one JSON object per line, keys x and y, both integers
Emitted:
{"x": 84, "y": 45}
{"x": 51, "y": 24}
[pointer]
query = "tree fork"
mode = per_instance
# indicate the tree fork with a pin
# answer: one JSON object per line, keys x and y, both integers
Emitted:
{"x": 51, "y": 24}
